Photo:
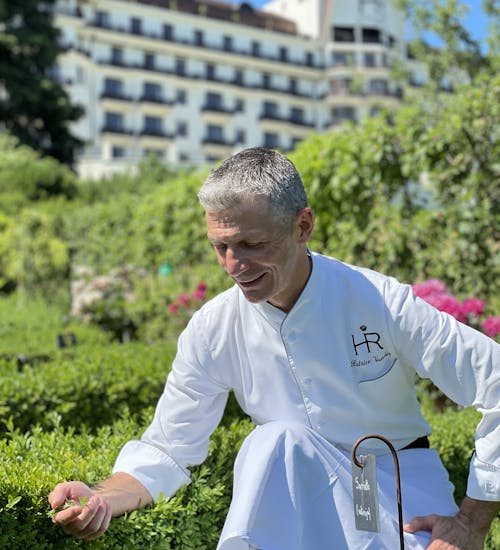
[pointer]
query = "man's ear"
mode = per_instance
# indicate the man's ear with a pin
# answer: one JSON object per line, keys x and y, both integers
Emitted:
{"x": 305, "y": 224}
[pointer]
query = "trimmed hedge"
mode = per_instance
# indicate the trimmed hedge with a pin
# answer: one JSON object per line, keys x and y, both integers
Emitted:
{"x": 31, "y": 464}
{"x": 85, "y": 387}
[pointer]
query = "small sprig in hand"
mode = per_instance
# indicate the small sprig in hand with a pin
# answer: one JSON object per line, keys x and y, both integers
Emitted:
{"x": 82, "y": 501}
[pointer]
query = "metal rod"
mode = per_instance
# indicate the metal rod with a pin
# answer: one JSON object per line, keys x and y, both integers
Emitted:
{"x": 398, "y": 478}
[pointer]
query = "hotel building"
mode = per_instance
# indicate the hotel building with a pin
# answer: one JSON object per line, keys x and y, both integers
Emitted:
{"x": 194, "y": 81}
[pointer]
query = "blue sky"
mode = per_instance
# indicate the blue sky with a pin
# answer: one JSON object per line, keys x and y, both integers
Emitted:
{"x": 475, "y": 22}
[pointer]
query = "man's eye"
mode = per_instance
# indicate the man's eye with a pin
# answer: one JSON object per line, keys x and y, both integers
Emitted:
{"x": 220, "y": 247}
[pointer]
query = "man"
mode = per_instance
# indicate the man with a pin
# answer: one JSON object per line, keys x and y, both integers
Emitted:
{"x": 318, "y": 353}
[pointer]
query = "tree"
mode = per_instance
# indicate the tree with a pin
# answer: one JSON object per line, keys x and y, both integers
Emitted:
{"x": 33, "y": 106}
{"x": 458, "y": 53}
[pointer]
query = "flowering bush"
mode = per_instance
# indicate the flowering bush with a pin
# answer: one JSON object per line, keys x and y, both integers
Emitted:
{"x": 434, "y": 292}
{"x": 185, "y": 305}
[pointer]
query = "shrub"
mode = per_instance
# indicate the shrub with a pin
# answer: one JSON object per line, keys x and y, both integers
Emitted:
{"x": 31, "y": 465}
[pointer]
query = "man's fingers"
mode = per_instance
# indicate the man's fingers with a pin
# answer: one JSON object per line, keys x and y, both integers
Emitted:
{"x": 420, "y": 523}
{"x": 88, "y": 522}
{"x": 65, "y": 517}
{"x": 58, "y": 496}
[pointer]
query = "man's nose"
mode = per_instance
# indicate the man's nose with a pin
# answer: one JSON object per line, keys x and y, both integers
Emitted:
{"x": 235, "y": 262}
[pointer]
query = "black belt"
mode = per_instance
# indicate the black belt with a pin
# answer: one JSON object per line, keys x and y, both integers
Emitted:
{"x": 420, "y": 443}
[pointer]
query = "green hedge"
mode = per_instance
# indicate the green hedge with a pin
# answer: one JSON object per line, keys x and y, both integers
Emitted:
{"x": 87, "y": 387}
{"x": 31, "y": 464}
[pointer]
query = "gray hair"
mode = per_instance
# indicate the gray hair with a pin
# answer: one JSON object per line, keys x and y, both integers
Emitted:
{"x": 254, "y": 172}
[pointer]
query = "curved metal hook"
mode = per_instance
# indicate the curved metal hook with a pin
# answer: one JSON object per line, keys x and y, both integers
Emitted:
{"x": 398, "y": 478}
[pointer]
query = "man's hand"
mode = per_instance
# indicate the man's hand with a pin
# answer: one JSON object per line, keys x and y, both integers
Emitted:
{"x": 465, "y": 531}
{"x": 83, "y": 514}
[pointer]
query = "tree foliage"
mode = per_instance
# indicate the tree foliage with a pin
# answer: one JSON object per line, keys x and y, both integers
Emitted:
{"x": 457, "y": 52}
{"x": 33, "y": 106}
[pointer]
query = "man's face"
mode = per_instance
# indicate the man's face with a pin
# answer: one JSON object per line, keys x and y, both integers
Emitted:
{"x": 267, "y": 261}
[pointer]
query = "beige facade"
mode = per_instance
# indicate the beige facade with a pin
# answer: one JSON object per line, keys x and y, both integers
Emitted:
{"x": 195, "y": 81}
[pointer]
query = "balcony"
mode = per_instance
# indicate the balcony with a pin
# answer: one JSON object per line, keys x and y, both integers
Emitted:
{"x": 157, "y": 100}
{"x": 115, "y": 129}
{"x": 216, "y": 108}
{"x": 116, "y": 95}
{"x": 307, "y": 61}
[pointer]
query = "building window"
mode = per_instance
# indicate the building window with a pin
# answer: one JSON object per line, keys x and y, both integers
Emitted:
{"x": 295, "y": 142}
{"x": 239, "y": 105}
{"x": 210, "y": 72}
{"x": 271, "y": 140}
{"x": 181, "y": 97}
{"x": 342, "y": 59}
{"x": 113, "y": 87}
{"x": 227, "y": 43}
{"x": 293, "y": 86}
{"x": 309, "y": 59}
{"x": 341, "y": 113}
{"x": 369, "y": 59}
{"x": 371, "y": 36}
{"x": 167, "y": 32}
{"x": 266, "y": 81}
{"x": 378, "y": 86}
{"x": 215, "y": 133}
{"x": 180, "y": 66}
{"x": 343, "y": 34}
{"x": 149, "y": 61}
{"x": 152, "y": 91}
{"x": 113, "y": 121}
{"x": 256, "y": 49}
{"x": 135, "y": 25}
{"x": 297, "y": 115}
{"x": 182, "y": 128}
{"x": 238, "y": 77}
{"x": 117, "y": 56}
{"x": 184, "y": 157}
{"x": 240, "y": 137}
{"x": 160, "y": 153}
{"x": 153, "y": 125}
{"x": 213, "y": 101}
{"x": 283, "y": 54}
{"x": 101, "y": 18}
{"x": 341, "y": 86}
{"x": 199, "y": 38}
{"x": 117, "y": 152}
{"x": 270, "y": 109}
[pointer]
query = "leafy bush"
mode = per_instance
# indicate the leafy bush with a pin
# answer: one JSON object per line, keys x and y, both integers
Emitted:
{"x": 86, "y": 387}
{"x": 24, "y": 172}
{"x": 32, "y": 464}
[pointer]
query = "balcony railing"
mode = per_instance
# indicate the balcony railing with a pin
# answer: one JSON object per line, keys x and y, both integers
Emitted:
{"x": 221, "y": 48}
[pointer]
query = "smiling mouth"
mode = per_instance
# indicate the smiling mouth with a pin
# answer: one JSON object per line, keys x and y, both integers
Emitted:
{"x": 246, "y": 284}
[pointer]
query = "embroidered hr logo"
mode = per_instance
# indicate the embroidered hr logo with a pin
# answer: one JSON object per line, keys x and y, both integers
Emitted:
{"x": 368, "y": 338}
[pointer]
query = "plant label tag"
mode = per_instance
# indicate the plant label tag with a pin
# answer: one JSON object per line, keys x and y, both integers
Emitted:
{"x": 365, "y": 495}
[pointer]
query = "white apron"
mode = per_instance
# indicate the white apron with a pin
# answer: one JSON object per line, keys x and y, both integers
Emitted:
{"x": 293, "y": 491}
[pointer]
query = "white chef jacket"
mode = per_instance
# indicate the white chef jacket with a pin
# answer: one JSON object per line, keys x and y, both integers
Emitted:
{"x": 342, "y": 361}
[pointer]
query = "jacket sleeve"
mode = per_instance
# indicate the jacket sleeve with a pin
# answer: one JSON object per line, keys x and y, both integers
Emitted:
{"x": 188, "y": 411}
{"x": 464, "y": 364}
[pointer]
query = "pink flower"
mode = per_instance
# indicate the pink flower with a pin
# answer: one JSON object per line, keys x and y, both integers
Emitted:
{"x": 198, "y": 294}
{"x": 491, "y": 326}
{"x": 173, "y": 308}
{"x": 183, "y": 299}
{"x": 201, "y": 286}
{"x": 431, "y": 286}
{"x": 473, "y": 306}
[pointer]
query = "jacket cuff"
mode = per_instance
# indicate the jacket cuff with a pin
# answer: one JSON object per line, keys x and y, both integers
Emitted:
{"x": 152, "y": 467}
{"x": 484, "y": 480}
